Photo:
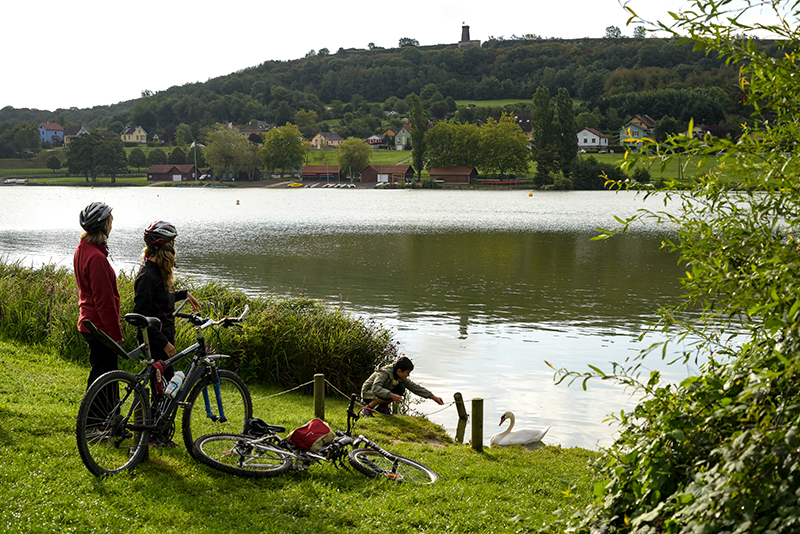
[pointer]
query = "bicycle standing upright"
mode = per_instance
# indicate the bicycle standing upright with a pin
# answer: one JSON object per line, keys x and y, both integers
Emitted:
{"x": 121, "y": 413}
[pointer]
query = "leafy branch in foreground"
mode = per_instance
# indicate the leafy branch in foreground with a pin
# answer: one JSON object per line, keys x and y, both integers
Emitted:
{"x": 720, "y": 452}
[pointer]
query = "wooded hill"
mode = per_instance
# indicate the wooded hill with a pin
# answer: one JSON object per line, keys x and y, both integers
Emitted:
{"x": 611, "y": 80}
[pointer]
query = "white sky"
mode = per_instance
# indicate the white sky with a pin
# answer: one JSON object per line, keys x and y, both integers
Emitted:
{"x": 60, "y": 54}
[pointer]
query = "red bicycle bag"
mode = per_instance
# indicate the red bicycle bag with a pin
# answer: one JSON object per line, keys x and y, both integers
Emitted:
{"x": 312, "y": 436}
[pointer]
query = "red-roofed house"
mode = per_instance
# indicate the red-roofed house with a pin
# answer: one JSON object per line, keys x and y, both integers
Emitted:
{"x": 50, "y": 132}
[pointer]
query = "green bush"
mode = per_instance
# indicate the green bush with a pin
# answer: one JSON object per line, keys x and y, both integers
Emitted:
{"x": 720, "y": 451}
{"x": 283, "y": 341}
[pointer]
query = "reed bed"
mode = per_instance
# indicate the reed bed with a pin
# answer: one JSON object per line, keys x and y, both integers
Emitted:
{"x": 284, "y": 341}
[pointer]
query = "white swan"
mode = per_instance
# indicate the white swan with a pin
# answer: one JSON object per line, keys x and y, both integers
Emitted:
{"x": 524, "y": 436}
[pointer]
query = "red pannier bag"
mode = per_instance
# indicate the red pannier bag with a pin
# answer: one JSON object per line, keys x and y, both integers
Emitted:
{"x": 312, "y": 436}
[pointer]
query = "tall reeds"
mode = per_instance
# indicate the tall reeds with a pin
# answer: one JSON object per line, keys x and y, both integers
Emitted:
{"x": 284, "y": 340}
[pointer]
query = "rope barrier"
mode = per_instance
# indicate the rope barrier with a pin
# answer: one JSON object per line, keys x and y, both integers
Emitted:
{"x": 283, "y": 392}
{"x": 362, "y": 405}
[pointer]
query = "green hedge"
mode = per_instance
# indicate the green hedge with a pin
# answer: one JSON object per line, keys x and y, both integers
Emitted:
{"x": 283, "y": 341}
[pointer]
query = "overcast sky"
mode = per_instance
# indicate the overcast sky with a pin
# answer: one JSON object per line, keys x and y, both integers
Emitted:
{"x": 83, "y": 53}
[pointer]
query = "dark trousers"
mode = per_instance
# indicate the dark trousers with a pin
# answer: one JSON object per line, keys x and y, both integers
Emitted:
{"x": 399, "y": 389}
{"x": 103, "y": 360}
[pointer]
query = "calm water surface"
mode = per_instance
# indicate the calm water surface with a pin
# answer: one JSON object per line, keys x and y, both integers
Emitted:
{"x": 481, "y": 288}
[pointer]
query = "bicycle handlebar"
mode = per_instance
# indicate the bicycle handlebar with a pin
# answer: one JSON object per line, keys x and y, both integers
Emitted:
{"x": 205, "y": 322}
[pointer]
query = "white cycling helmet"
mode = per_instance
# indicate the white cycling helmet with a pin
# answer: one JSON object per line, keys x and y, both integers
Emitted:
{"x": 159, "y": 233}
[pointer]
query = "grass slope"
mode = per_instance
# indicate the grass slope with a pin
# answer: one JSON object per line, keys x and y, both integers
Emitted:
{"x": 44, "y": 487}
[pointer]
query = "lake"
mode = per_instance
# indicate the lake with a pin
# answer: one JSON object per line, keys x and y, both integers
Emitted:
{"x": 479, "y": 287}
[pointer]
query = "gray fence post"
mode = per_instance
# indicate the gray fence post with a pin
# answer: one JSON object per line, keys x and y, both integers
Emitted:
{"x": 319, "y": 396}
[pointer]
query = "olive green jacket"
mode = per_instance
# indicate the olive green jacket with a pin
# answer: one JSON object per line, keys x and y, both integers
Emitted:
{"x": 381, "y": 382}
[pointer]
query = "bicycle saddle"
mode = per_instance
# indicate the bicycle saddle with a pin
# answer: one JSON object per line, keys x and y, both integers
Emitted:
{"x": 140, "y": 321}
{"x": 257, "y": 427}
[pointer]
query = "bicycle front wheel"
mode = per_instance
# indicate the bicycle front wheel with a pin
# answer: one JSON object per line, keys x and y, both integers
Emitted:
{"x": 373, "y": 464}
{"x": 110, "y": 427}
{"x": 211, "y": 409}
{"x": 241, "y": 455}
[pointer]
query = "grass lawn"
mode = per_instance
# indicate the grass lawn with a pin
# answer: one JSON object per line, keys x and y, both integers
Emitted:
{"x": 687, "y": 166}
{"x": 492, "y": 103}
{"x": 44, "y": 486}
{"x": 379, "y": 157}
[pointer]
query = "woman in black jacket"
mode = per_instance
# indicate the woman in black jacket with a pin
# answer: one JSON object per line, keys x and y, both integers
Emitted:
{"x": 154, "y": 293}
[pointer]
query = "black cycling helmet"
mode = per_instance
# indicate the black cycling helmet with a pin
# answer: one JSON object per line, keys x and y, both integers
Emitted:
{"x": 159, "y": 233}
{"x": 93, "y": 217}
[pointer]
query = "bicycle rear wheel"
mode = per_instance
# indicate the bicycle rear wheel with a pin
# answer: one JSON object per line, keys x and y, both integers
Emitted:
{"x": 109, "y": 409}
{"x": 373, "y": 464}
{"x": 204, "y": 413}
{"x": 241, "y": 455}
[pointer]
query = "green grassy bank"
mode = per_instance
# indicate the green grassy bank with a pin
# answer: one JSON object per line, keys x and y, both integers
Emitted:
{"x": 283, "y": 341}
{"x": 45, "y": 488}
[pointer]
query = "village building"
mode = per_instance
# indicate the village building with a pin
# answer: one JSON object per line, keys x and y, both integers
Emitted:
{"x": 387, "y": 174}
{"x": 172, "y": 173}
{"x": 50, "y": 132}
{"x": 328, "y": 173}
{"x": 589, "y": 138}
{"x": 637, "y": 128}
{"x": 257, "y": 128}
{"x": 402, "y": 140}
{"x": 326, "y": 140}
{"x": 454, "y": 175}
{"x": 133, "y": 134}
{"x": 72, "y": 132}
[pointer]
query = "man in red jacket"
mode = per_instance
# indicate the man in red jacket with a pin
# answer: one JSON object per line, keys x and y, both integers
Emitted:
{"x": 98, "y": 296}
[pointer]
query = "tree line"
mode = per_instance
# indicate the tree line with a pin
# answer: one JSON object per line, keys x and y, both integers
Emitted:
{"x": 359, "y": 93}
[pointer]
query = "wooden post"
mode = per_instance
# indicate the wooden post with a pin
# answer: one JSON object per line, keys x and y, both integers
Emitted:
{"x": 319, "y": 396}
{"x": 462, "y": 417}
{"x": 477, "y": 424}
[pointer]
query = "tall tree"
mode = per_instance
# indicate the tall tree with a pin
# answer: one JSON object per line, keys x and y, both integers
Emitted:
{"x": 451, "y": 144}
{"x": 53, "y": 163}
{"x": 419, "y": 126}
{"x": 177, "y": 156}
{"x": 353, "y": 155}
{"x": 137, "y": 158}
{"x": 229, "y": 152}
{"x": 80, "y": 155}
{"x": 504, "y": 147}
{"x": 543, "y": 143}
{"x": 283, "y": 149}
{"x": 566, "y": 138}
{"x": 157, "y": 157}
{"x": 109, "y": 157}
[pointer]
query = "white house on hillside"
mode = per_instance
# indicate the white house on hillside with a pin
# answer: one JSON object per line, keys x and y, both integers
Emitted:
{"x": 591, "y": 138}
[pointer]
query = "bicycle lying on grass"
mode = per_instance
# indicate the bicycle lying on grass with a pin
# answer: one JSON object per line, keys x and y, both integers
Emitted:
{"x": 121, "y": 413}
{"x": 262, "y": 453}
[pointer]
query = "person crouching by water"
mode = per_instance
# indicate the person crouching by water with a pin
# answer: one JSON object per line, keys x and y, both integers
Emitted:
{"x": 98, "y": 297}
{"x": 154, "y": 295}
{"x": 388, "y": 384}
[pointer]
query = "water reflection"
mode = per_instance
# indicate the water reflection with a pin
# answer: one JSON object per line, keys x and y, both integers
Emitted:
{"x": 480, "y": 287}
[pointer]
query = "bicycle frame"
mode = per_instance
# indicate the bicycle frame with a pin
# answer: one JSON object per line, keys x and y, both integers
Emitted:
{"x": 201, "y": 363}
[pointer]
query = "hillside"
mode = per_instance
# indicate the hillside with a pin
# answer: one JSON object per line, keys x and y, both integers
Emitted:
{"x": 362, "y": 90}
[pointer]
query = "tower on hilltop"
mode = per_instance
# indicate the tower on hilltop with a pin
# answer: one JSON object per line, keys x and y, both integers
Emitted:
{"x": 465, "y": 41}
